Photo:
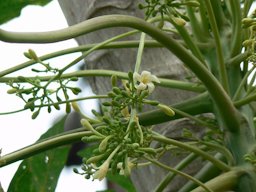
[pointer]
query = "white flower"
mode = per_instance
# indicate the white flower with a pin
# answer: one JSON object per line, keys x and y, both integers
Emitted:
{"x": 145, "y": 80}
{"x": 102, "y": 172}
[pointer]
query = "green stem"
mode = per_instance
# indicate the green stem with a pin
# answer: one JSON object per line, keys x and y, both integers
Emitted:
{"x": 113, "y": 45}
{"x": 246, "y": 100}
{"x": 195, "y": 150}
{"x": 238, "y": 59}
{"x": 140, "y": 52}
{"x": 193, "y": 106}
{"x": 240, "y": 89}
{"x": 168, "y": 178}
{"x": 193, "y": 118}
{"x": 236, "y": 39}
{"x": 41, "y": 146}
{"x": 179, "y": 173}
{"x": 195, "y": 87}
{"x": 220, "y": 57}
{"x": 220, "y": 97}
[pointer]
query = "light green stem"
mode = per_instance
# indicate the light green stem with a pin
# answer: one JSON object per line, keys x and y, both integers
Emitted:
{"x": 195, "y": 150}
{"x": 220, "y": 57}
{"x": 41, "y": 146}
{"x": 140, "y": 52}
{"x": 168, "y": 178}
{"x": 195, "y": 87}
{"x": 179, "y": 173}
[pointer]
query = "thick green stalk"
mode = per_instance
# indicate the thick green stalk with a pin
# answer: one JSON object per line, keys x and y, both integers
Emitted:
{"x": 42, "y": 146}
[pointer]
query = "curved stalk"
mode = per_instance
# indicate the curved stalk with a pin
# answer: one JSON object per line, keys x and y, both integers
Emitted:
{"x": 168, "y": 178}
{"x": 195, "y": 150}
{"x": 227, "y": 110}
{"x": 180, "y": 173}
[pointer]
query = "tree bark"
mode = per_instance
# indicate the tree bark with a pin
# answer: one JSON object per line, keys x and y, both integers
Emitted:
{"x": 159, "y": 61}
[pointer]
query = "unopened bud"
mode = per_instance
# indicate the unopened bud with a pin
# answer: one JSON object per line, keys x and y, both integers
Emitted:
{"x": 167, "y": 110}
{"x": 104, "y": 143}
{"x": 179, "y": 21}
{"x": 94, "y": 159}
{"x": 33, "y": 55}
{"x": 12, "y": 91}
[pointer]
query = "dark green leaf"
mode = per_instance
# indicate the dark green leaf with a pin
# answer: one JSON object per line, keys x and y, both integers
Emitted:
{"x": 122, "y": 181}
{"x": 12, "y": 8}
{"x": 41, "y": 172}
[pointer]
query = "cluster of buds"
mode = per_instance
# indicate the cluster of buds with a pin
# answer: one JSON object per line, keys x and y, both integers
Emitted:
{"x": 121, "y": 140}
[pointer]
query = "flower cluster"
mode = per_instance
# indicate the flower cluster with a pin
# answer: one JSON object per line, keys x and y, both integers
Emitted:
{"x": 122, "y": 140}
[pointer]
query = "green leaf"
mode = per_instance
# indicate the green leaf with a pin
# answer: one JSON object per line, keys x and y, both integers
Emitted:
{"x": 12, "y": 8}
{"x": 122, "y": 181}
{"x": 40, "y": 173}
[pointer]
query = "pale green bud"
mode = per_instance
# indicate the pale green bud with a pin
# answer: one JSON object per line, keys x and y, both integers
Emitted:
{"x": 12, "y": 91}
{"x": 167, "y": 110}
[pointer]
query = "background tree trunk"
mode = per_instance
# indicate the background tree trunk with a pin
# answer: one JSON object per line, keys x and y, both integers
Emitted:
{"x": 159, "y": 61}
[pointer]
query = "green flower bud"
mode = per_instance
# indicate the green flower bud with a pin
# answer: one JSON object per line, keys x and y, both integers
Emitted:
{"x": 167, "y": 110}
{"x": 114, "y": 80}
{"x": 104, "y": 143}
{"x": 74, "y": 79}
{"x": 179, "y": 21}
{"x": 248, "y": 42}
{"x": 68, "y": 108}
{"x": 49, "y": 109}
{"x": 95, "y": 159}
{"x": 33, "y": 55}
{"x": 12, "y": 91}
{"x": 56, "y": 106}
{"x": 111, "y": 94}
{"x": 75, "y": 107}
{"x": 116, "y": 90}
{"x": 76, "y": 90}
{"x": 247, "y": 22}
{"x": 35, "y": 114}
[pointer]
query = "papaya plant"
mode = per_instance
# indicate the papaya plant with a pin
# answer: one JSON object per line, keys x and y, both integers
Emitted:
{"x": 214, "y": 40}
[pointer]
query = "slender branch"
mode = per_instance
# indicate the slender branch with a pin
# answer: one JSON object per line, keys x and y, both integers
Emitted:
{"x": 168, "y": 178}
{"x": 220, "y": 57}
{"x": 196, "y": 150}
{"x": 41, "y": 146}
{"x": 108, "y": 73}
{"x": 236, "y": 38}
{"x": 179, "y": 172}
{"x": 223, "y": 102}
{"x": 140, "y": 52}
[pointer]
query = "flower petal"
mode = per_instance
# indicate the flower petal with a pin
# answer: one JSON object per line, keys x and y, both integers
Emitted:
{"x": 136, "y": 77}
{"x": 151, "y": 87}
{"x": 155, "y": 79}
{"x": 141, "y": 87}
